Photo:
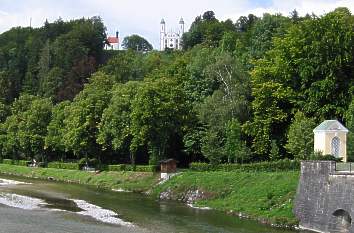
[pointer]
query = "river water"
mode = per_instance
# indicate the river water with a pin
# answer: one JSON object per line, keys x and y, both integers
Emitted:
{"x": 33, "y": 206}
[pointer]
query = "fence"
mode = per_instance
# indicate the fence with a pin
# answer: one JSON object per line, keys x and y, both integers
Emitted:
{"x": 345, "y": 167}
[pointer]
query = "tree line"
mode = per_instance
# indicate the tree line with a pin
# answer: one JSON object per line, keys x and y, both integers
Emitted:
{"x": 243, "y": 91}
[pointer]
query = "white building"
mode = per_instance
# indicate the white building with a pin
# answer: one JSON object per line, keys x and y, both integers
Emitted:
{"x": 171, "y": 39}
{"x": 112, "y": 43}
{"x": 331, "y": 138}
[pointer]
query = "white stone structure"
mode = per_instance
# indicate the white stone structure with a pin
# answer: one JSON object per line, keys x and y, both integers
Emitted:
{"x": 171, "y": 39}
{"x": 330, "y": 137}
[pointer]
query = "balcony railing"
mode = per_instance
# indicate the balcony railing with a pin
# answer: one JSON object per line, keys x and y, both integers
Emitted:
{"x": 345, "y": 167}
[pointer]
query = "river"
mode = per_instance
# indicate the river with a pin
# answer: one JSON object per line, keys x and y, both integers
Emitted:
{"x": 34, "y": 206}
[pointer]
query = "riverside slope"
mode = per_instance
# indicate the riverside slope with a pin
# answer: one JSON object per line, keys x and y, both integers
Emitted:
{"x": 265, "y": 196}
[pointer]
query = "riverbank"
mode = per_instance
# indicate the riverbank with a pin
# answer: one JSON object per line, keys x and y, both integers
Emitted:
{"x": 264, "y": 196}
{"x": 126, "y": 180}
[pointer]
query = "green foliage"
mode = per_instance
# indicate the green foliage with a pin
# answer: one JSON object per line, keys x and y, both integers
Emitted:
{"x": 137, "y": 168}
{"x": 7, "y": 161}
{"x": 51, "y": 61}
{"x": 130, "y": 181}
{"x": 300, "y": 137}
{"x": 117, "y": 167}
{"x": 205, "y": 30}
{"x": 236, "y": 149}
{"x": 259, "y": 195}
{"x": 59, "y": 165}
{"x": 16, "y": 162}
{"x": 115, "y": 130}
{"x": 158, "y": 113}
{"x": 349, "y": 117}
{"x": 230, "y": 96}
{"x": 84, "y": 114}
{"x": 136, "y": 42}
{"x": 274, "y": 151}
{"x": 280, "y": 165}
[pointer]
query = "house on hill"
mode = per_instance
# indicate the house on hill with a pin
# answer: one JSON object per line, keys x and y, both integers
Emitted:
{"x": 112, "y": 43}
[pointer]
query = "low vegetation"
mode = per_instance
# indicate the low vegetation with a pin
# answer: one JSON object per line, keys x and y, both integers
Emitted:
{"x": 265, "y": 196}
{"x": 126, "y": 180}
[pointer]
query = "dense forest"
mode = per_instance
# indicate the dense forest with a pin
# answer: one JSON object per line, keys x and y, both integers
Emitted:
{"x": 240, "y": 91}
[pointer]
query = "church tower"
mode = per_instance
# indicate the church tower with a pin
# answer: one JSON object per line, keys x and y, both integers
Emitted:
{"x": 181, "y": 26}
{"x": 162, "y": 34}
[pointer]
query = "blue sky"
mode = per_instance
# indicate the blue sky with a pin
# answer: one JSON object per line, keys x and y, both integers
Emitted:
{"x": 143, "y": 17}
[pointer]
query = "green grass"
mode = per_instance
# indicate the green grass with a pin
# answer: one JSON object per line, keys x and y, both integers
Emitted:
{"x": 260, "y": 195}
{"x": 132, "y": 181}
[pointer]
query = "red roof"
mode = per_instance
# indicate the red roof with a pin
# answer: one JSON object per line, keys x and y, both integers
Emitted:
{"x": 112, "y": 40}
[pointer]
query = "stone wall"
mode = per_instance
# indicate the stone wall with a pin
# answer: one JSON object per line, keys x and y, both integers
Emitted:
{"x": 325, "y": 198}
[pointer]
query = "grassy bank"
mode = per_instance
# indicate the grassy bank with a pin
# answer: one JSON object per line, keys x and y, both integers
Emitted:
{"x": 265, "y": 196}
{"x": 127, "y": 180}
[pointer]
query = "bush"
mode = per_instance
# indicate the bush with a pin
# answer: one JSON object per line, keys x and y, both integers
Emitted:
{"x": 280, "y": 165}
{"x": 16, "y": 162}
{"x": 82, "y": 162}
{"x": 138, "y": 168}
{"x": 117, "y": 167}
{"x": 23, "y": 162}
{"x": 146, "y": 168}
{"x": 7, "y": 161}
{"x": 59, "y": 165}
{"x": 130, "y": 167}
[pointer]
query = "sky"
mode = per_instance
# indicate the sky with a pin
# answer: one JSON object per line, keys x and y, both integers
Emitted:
{"x": 143, "y": 17}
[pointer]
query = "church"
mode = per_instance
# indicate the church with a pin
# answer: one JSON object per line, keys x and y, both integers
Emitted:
{"x": 171, "y": 39}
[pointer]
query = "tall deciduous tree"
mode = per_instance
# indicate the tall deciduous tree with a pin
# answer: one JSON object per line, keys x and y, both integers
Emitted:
{"x": 349, "y": 117}
{"x": 158, "y": 114}
{"x": 84, "y": 114}
{"x": 115, "y": 128}
{"x": 136, "y": 42}
{"x": 300, "y": 137}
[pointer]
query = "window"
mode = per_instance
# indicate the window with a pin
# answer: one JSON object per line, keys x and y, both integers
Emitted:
{"x": 335, "y": 144}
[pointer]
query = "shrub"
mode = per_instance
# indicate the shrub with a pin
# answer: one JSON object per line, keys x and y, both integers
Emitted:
{"x": 116, "y": 167}
{"x": 82, "y": 162}
{"x": 7, "y": 161}
{"x": 201, "y": 167}
{"x": 59, "y": 165}
{"x": 127, "y": 167}
{"x": 130, "y": 167}
{"x": 23, "y": 162}
{"x": 280, "y": 165}
{"x": 146, "y": 168}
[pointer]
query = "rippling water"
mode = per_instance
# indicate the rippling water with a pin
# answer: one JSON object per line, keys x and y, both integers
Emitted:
{"x": 32, "y": 206}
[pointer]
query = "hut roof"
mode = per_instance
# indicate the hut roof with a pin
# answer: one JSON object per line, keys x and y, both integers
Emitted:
{"x": 168, "y": 161}
{"x": 330, "y": 126}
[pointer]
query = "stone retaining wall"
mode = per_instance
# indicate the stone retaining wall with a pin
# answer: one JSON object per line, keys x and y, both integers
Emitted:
{"x": 325, "y": 198}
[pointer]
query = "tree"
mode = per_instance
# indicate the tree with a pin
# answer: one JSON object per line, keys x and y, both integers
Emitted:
{"x": 24, "y": 130}
{"x": 84, "y": 115}
{"x": 4, "y": 112}
{"x": 115, "y": 130}
{"x": 33, "y": 128}
{"x": 55, "y": 130}
{"x": 136, "y": 42}
{"x": 300, "y": 137}
{"x": 158, "y": 114}
{"x": 274, "y": 153}
{"x": 235, "y": 147}
{"x": 349, "y": 117}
